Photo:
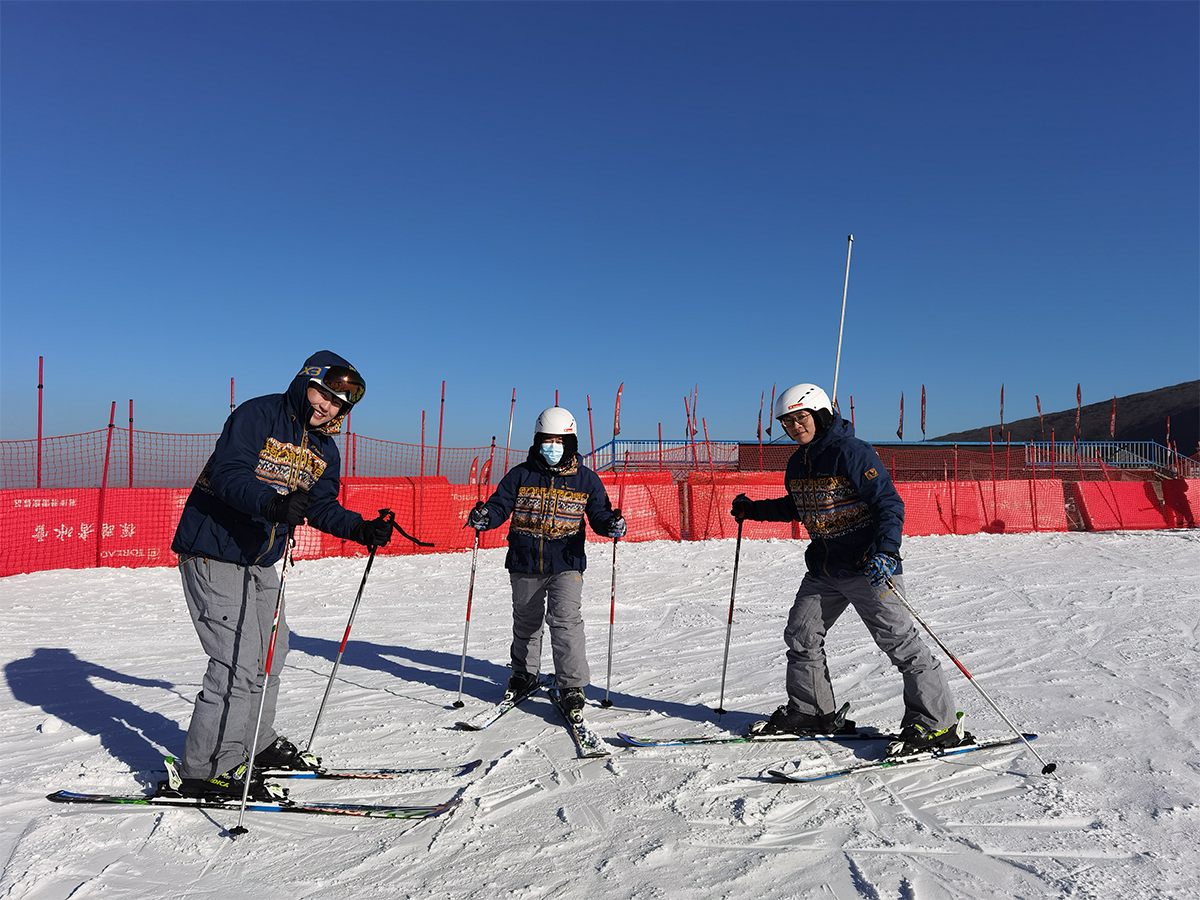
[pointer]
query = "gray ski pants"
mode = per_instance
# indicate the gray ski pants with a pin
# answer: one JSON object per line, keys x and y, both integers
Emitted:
{"x": 557, "y": 601}
{"x": 233, "y": 608}
{"x": 819, "y": 603}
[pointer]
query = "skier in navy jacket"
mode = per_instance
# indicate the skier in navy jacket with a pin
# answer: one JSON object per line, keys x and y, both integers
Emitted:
{"x": 837, "y": 486}
{"x": 274, "y": 465}
{"x": 548, "y": 496}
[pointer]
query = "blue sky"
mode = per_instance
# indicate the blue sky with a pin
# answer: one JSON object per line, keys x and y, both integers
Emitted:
{"x": 564, "y": 197}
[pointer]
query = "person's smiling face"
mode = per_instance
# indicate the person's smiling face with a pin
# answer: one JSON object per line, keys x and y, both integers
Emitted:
{"x": 324, "y": 404}
{"x": 800, "y": 426}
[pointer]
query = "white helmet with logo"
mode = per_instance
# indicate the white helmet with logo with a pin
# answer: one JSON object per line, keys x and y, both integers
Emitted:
{"x": 804, "y": 396}
{"x": 555, "y": 420}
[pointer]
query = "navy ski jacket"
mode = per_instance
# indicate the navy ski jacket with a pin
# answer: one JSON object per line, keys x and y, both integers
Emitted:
{"x": 547, "y": 505}
{"x": 266, "y": 448}
{"x": 837, "y": 486}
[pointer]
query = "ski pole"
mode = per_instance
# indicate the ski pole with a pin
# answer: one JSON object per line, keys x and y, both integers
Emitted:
{"x": 462, "y": 669}
{"x": 391, "y": 518}
{"x": 737, "y": 554}
{"x": 1047, "y": 768}
{"x": 262, "y": 697}
{"x": 612, "y": 609}
{"x": 612, "y": 618}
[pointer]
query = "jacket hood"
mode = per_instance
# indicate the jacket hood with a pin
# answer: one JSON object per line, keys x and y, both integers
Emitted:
{"x": 297, "y": 392}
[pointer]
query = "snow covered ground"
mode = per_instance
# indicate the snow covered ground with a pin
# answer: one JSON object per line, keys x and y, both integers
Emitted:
{"x": 1088, "y": 639}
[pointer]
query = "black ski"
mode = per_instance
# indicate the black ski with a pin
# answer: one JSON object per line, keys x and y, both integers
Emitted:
{"x": 746, "y": 739}
{"x": 457, "y": 771}
{"x": 363, "y": 810}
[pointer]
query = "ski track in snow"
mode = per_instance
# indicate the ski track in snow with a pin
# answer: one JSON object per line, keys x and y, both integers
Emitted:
{"x": 1088, "y": 639}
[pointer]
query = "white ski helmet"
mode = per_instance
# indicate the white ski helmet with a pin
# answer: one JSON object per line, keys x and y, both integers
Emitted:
{"x": 804, "y": 396}
{"x": 555, "y": 420}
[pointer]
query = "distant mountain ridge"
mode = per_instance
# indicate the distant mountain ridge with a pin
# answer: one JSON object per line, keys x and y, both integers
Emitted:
{"x": 1140, "y": 417}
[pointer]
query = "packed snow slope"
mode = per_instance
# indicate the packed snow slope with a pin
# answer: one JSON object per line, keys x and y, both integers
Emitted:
{"x": 1090, "y": 640}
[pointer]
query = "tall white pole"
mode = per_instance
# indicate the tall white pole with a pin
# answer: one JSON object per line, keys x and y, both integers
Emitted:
{"x": 838, "y": 362}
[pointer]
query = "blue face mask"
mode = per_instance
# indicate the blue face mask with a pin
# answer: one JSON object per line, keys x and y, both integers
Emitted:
{"x": 552, "y": 453}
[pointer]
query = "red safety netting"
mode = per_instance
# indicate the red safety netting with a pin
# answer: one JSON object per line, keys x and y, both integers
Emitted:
{"x": 1182, "y": 498}
{"x": 85, "y": 513}
{"x": 971, "y": 507}
{"x": 708, "y": 497}
{"x": 1119, "y": 505}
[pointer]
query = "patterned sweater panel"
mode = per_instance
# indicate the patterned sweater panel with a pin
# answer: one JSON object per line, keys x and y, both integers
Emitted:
{"x": 550, "y": 512}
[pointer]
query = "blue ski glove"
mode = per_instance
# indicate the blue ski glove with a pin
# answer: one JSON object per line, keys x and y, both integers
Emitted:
{"x": 479, "y": 518}
{"x": 618, "y": 527}
{"x": 879, "y": 568}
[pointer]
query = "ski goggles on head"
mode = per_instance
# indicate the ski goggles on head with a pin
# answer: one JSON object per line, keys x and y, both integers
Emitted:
{"x": 342, "y": 381}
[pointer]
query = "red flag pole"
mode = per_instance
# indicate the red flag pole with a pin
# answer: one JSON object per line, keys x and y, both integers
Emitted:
{"x": 39, "y": 439}
{"x": 617, "y": 415}
{"x": 112, "y": 416}
{"x": 131, "y": 443}
{"x": 441, "y": 415}
{"x": 922, "y": 412}
{"x": 760, "y": 408}
{"x": 1079, "y": 406}
{"x": 507, "y": 444}
{"x": 231, "y": 395}
{"x": 660, "y": 441}
{"x": 1112, "y": 422}
{"x": 591, "y": 430}
{"x": 900, "y": 429}
{"x": 771, "y": 418}
{"x": 422, "y": 443}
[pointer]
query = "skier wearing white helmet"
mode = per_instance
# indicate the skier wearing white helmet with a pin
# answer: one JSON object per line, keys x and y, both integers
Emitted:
{"x": 548, "y": 496}
{"x": 837, "y": 486}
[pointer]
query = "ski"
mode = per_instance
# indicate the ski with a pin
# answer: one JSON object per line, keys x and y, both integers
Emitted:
{"x": 893, "y": 762}
{"x": 490, "y": 715}
{"x": 746, "y": 739}
{"x": 363, "y": 810}
{"x": 589, "y": 744}
{"x": 457, "y": 771}
{"x": 844, "y": 731}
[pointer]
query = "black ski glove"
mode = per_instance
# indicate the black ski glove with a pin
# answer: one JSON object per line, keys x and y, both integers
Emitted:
{"x": 287, "y": 509}
{"x": 372, "y": 532}
{"x": 742, "y": 505}
{"x": 479, "y": 518}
